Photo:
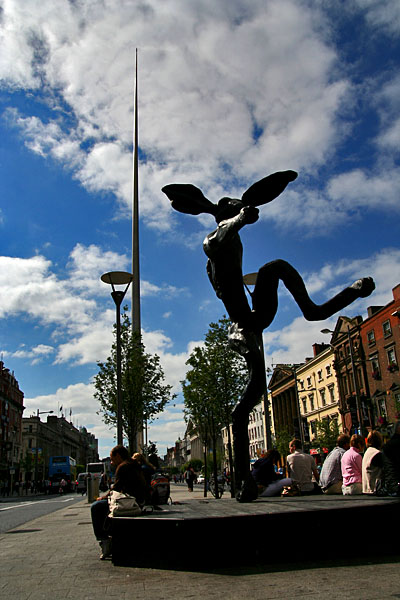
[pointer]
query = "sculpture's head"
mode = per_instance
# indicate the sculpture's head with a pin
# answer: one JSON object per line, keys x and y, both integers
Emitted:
{"x": 228, "y": 208}
{"x": 187, "y": 198}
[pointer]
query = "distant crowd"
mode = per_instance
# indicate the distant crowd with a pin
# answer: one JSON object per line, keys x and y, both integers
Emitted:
{"x": 23, "y": 488}
{"x": 354, "y": 466}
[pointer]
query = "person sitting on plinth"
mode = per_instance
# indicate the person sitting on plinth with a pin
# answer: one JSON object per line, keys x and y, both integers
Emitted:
{"x": 372, "y": 463}
{"x": 128, "y": 479}
{"x": 269, "y": 481}
{"x": 302, "y": 468}
{"x": 331, "y": 479}
{"x": 352, "y": 466}
{"x": 391, "y": 463}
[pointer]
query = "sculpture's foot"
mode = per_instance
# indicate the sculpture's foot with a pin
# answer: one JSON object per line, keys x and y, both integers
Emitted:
{"x": 248, "y": 491}
{"x": 364, "y": 287}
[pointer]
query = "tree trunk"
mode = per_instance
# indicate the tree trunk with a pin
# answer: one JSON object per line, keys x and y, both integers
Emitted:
{"x": 230, "y": 460}
{"x": 205, "y": 472}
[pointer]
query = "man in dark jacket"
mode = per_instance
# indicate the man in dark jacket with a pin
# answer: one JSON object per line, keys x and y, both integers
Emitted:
{"x": 128, "y": 479}
{"x": 391, "y": 462}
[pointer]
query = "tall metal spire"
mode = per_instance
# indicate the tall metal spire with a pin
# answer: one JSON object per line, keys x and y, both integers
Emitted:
{"x": 135, "y": 317}
{"x": 136, "y": 323}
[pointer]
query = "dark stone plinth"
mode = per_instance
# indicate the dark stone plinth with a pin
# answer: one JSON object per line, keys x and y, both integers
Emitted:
{"x": 223, "y": 532}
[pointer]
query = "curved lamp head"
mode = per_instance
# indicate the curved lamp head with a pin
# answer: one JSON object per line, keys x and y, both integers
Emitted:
{"x": 117, "y": 278}
{"x": 250, "y": 278}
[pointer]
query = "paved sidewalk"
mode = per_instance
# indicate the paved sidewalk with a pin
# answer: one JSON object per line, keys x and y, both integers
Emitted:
{"x": 57, "y": 557}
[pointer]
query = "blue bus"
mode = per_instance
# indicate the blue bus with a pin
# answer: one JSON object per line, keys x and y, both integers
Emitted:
{"x": 62, "y": 467}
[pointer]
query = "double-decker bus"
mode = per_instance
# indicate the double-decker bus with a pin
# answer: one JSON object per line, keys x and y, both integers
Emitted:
{"x": 62, "y": 467}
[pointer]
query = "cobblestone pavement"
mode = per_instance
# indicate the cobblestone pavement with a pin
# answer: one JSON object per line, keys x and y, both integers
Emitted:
{"x": 57, "y": 557}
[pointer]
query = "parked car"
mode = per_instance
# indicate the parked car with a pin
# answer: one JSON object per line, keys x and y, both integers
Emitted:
{"x": 200, "y": 479}
{"x": 81, "y": 483}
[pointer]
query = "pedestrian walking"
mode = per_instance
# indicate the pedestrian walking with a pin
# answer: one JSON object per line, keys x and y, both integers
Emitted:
{"x": 190, "y": 476}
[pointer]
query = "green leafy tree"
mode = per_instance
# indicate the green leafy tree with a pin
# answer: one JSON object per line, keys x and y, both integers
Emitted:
{"x": 213, "y": 386}
{"x": 281, "y": 442}
{"x": 144, "y": 393}
{"x": 327, "y": 431}
{"x": 196, "y": 463}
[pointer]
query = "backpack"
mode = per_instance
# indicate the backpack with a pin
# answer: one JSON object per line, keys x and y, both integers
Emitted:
{"x": 160, "y": 489}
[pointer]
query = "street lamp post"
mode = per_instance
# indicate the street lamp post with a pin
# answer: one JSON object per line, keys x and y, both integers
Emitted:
{"x": 38, "y": 413}
{"x": 299, "y": 417}
{"x": 118, "y": 278}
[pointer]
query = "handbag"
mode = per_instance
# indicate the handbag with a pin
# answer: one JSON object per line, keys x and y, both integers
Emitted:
{"x": 123, "y": 505}
{"x": 291, "y": 490}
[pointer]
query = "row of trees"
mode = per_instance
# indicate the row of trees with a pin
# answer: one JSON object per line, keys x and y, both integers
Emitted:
{"x": 213, "y": 385}
{"x": 144, "y": 391}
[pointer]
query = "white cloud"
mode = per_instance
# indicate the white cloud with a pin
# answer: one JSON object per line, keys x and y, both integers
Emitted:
{"x": 382, "y": 14}
{"x": 88, "y": 263}
{"x": 79, "y": 399}
{"x": 293, "y": 342}
{"x": 201, "y": 94}
{"x": 29, "y": 286}
{"x": 37, "y": 354}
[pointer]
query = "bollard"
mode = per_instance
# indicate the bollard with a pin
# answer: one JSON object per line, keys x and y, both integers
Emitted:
{"x": 92, "y": 489}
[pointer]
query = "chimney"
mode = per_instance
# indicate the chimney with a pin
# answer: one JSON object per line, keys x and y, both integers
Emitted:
{"x": 396, "y": 292}
{"x": 372, "y": 310}
{"x": 318, "y": 348}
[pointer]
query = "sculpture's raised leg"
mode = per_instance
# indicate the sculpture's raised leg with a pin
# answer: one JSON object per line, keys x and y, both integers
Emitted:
{"x": 265, "y": 294}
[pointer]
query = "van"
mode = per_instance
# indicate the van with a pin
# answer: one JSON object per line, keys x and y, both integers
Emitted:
{"x": 81, "y": 483}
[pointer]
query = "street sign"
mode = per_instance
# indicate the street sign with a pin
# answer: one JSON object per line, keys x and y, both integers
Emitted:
{"x": 12, "y": 471}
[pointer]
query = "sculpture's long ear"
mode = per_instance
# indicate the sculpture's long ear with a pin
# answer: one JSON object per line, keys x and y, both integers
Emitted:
{"x": 268, "y": 189}
{"x": 187, "y": 198}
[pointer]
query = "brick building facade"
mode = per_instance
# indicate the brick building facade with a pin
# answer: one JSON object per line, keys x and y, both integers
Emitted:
{"x": 11, "y": 409}
{"x": 380, "y": 334}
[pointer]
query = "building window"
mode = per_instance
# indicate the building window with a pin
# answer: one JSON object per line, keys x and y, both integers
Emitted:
{"x": 311, "y": 398}
{"x": 382, "y": 407}
{"x": 313, "y": 428}
{"x": 371, "y": 337}
{"x": 331, "y": 389}
{"x": 304, "y": 401}
{"x": 345, "y": 385}
{"x": 376, "y": 372}
{"x": 301, "y": 384}
{"x": 391, "y": 356}
{"x": 328, "y": 371}
{"x": 309, "y": 382}
{"x": 323, "y": 398}
{"x": 387, "y": 330}
{"x": 319, "y": 375}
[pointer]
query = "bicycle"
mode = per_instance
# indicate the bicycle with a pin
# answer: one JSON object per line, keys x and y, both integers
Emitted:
{"x": 213, "y": 488}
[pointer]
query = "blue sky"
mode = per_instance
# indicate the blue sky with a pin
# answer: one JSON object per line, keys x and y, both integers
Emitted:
{"x": 229, "y": 92}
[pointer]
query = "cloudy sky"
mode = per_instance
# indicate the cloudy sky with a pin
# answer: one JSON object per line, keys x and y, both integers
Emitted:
{"x": 229, "y": 91}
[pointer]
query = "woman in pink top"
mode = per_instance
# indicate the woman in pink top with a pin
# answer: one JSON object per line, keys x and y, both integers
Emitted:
{"x": 352, "y": 466}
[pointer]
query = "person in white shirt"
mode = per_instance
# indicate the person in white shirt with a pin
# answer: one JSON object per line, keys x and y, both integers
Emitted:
{"x": 372, "y": 462}
{"x": 301, "y": 468}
